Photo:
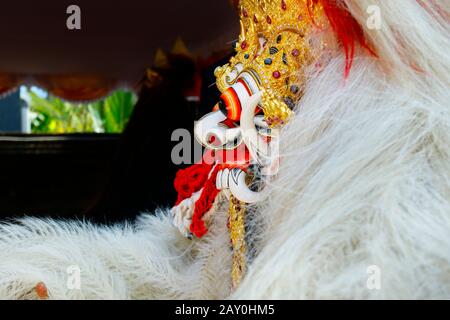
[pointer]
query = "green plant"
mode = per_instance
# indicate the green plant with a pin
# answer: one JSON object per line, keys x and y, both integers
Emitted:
{"x": 54, "y": 116}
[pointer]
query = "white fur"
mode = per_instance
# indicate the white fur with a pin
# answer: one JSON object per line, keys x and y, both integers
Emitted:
{"x": 365, "y": 174}
{"x": 150, "y": 261}
{"x": 364, "y": 181}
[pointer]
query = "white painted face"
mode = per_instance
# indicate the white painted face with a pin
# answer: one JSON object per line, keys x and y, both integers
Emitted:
{"x": 249, "y": 133}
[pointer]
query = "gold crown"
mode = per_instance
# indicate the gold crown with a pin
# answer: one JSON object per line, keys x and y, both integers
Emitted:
{"x": 274, "y": 44}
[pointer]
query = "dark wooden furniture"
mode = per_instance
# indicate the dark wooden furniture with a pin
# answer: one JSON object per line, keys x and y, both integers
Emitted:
{"x": 58, "y": 176}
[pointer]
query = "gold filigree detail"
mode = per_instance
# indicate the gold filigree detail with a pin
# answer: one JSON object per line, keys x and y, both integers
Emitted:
{"x": 236, "y": 227}
{"x": 274, "y": 44}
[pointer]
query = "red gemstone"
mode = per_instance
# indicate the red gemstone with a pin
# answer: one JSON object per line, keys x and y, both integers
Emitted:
{"x": 245, "y": 13}
{"x": 300, "y": 17}
{"x": 269, "y": 20}
{"x": 283, "y": 5}
{"x": 255, "y": 19}
{"x": 295, "y": 52}
{"x": 276, "y": 74}
{"x": 243, "y": 45}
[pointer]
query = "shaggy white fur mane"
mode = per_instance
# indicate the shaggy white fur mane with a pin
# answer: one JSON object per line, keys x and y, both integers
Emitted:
{"x": 364, "y": 181}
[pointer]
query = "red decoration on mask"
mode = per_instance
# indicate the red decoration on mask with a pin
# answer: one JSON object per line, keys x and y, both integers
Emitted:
{"x": 191, "y": 180}
{"x": 203, "y": 176}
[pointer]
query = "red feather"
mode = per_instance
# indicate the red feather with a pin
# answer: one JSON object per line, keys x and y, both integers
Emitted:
{"x": 347, "y": 29}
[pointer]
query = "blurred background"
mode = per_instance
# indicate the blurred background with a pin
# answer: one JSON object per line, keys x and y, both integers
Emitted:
{"x": 86, "y": 116}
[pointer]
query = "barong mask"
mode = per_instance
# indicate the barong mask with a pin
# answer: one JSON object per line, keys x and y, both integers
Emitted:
{"x": 261, "y": 86}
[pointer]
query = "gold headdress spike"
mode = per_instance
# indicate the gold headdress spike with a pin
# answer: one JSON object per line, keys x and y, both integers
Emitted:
{"x": 161, "y": 60}
{"x": 180, "y": 48}
{"x": 274, "y": 45}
